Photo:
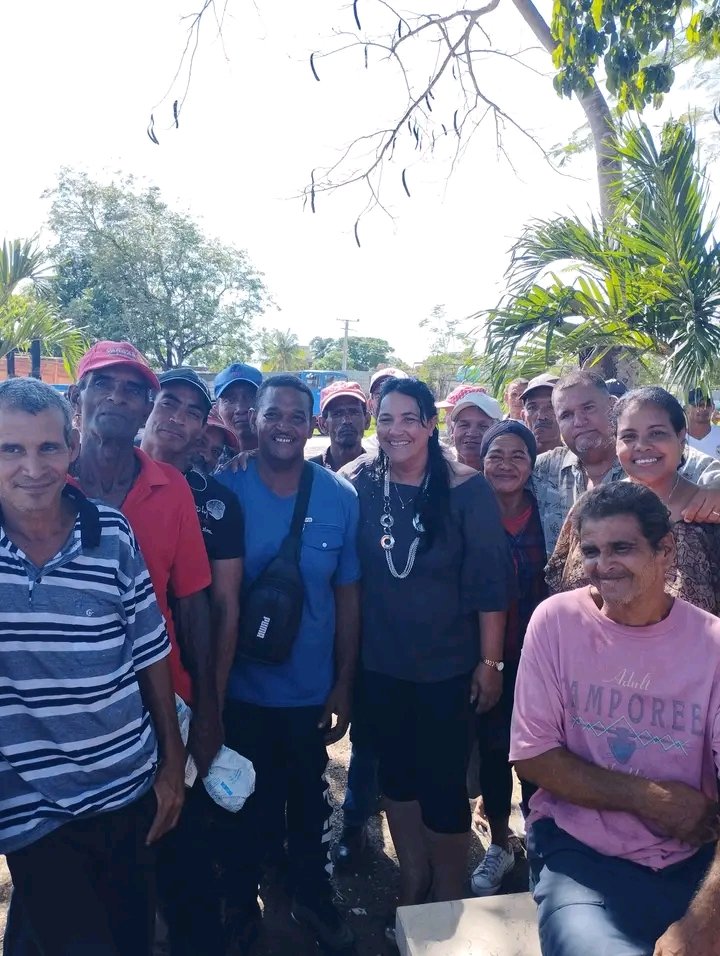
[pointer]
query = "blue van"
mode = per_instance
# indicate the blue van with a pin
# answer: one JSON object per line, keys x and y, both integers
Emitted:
{"x": 318, "y": 379}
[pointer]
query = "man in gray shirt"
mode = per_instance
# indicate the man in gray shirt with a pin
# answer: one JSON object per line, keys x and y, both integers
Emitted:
{"x": 582, "y": 404}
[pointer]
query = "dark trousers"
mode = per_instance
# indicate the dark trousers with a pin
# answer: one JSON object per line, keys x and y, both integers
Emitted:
{"x": 493, "y": 737}
{"x": 288, "y": 751}
{"x": 189, "y": 891}
{"x": 87, "y": 888}
{"x": 363, "y": 789}
{"x": 603, "y": 906}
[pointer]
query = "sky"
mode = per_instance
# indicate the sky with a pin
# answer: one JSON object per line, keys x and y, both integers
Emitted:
{"x": 80, "y": 81}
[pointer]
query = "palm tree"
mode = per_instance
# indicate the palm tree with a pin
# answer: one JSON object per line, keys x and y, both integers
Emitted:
{"x": 27, "y": 315}
{"x": 647, "y": 281}
{"x": 281, "y": 351}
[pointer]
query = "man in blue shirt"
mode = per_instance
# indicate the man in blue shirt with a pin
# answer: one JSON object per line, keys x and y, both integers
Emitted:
{"x": 280, "y": 715}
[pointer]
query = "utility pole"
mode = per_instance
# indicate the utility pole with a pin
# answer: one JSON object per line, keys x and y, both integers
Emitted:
{"x": 346, "y": 323}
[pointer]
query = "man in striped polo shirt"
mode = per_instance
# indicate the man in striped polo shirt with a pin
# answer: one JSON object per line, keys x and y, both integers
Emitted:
{"x": 85, "y": 697}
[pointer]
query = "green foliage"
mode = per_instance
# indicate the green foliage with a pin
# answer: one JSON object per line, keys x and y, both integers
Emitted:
{"x": 25, "y": 313}
{"x": 451, "y": 348}
{"x": 365, "y": 353}
{"x": 634, "y": 41}
{"x": 648, "y": 281}
{"x": 130, "y": 267}
{"x": 280, "y": 351}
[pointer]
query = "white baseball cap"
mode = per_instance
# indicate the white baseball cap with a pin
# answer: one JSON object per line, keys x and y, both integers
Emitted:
{"x": 486, "y": 403}
{"x": 387, "y": 373}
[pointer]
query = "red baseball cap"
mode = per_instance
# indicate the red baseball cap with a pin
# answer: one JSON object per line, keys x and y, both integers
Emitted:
{"x": 214, "y": 421}
{"x": 341, "y": 390}
{"x": 105, "y": 354}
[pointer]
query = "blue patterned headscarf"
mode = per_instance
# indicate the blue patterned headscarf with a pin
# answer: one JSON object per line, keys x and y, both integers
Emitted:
{"x": 510, "y": 427}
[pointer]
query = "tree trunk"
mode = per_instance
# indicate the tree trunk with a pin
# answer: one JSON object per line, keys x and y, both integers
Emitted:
{"x": 596, "y": 111}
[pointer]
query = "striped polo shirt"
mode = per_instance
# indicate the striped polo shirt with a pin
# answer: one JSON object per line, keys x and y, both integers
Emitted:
{"x": 75, "y": 738}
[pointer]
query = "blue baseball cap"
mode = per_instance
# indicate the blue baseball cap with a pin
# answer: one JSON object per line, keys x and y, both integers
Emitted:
{"x": 237, "y": 372}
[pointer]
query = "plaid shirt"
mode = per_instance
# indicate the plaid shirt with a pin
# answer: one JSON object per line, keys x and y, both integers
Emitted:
{"x": 559, "y": 480}
{"x": 528, "y": 552}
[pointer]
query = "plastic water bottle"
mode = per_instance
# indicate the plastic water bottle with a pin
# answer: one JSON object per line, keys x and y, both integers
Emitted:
{"x": 231, "y": 777}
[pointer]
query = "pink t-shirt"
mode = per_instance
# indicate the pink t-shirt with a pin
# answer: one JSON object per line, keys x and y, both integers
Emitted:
{"x": 637, "y": 700}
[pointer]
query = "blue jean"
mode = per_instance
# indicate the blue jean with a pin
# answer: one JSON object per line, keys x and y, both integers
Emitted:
{"x": 604, "y": 906}
{"x": 361, "y": 794}
{"x": 363, "y": 790}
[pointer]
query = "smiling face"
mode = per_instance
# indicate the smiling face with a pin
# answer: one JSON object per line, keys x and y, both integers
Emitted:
{"x": 34, "y": 458}
{"x": 583, "y": 414}
{"x": 113, "y": 403}
{"x": 539, "y": 416}
{"x": 283, "y": 422}
{"x": 621, "y": 563}
{"x": 401, "y": 432}
{"x": 176, "y": 421}
{"x": 507, "y": 464}
{"x": 468, "y": 428}
{"x": 648, "y": 447}
{"x": 234, "y": 407}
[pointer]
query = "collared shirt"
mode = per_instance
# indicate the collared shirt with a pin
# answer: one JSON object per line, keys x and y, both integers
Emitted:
{"x": 75, "y": 737}
{"x": 559, "y": 480}
{"x": 161, "y": 512}
{"x": 328, "y": 558}
{"x": 326, "y": 459}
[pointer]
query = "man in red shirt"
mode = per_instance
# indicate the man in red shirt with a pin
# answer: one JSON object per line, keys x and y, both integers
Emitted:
{"x": 112, "y": 398}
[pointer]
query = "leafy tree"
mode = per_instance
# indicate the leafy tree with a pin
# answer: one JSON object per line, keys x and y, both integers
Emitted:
{"x": 647, "y": 280}
{"x": 451, "y": 348}
{"x": 25, "y": 312}
{"x": 319, "y": 346}
{"x": 281, "y": 351}
{"x": 365, "y": 353}
{"x": 130, "y": 267}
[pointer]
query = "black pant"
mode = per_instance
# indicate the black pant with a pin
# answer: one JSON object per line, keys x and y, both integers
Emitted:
{"x": 421, "y": 733}
{"x": 189, "y": 890}
{"x": 493, "y": 737}
{"x": 87, "y": 888}
{"x": 288, "y": 751}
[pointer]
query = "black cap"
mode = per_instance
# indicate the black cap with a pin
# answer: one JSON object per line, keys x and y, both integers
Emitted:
{"x": 696, "y": 396}
{"x": 616, "y": 387}
{"x": 184, "y": 373}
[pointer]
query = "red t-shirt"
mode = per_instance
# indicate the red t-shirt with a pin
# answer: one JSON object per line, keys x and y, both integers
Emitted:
{"x": 161, "y": 512}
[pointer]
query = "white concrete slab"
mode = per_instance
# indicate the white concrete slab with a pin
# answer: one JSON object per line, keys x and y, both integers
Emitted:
{"x": 495, "y": 926}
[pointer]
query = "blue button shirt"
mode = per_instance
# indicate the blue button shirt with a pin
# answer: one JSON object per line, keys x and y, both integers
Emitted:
{"x": 328, "y": 558}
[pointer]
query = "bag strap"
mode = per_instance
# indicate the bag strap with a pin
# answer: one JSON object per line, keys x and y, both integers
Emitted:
{"x": 291, "y": 544}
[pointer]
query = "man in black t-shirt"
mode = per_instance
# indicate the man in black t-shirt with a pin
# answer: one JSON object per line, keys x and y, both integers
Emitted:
{"x": 173, "y": 435}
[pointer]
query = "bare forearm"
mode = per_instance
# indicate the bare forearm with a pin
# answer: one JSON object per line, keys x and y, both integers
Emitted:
{"x": 193, "y": 630}
{"x": 224, "y": 616}
{"x": 706, "y": 905}
{"x": 347, "y": 631}
{"x": 492, "y": 634}
{"x": 224, "y": 613}
{"x": 158, "y": 697}
{"x": 575, "y": 780}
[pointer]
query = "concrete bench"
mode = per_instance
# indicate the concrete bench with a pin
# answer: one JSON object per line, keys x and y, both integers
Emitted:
{"x": 494, "y": 926}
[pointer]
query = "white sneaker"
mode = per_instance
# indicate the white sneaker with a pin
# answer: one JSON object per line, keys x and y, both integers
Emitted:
{"x": 488, "y": 877}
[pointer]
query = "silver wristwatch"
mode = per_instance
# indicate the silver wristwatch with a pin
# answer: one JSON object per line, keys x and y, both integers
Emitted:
{"x": 497, "y": 665}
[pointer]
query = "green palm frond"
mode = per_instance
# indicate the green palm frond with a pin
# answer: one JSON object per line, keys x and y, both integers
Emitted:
{"x": 648, "y": 281}
{"x": 20, "y": 260}
{"x": 23, "y": 319}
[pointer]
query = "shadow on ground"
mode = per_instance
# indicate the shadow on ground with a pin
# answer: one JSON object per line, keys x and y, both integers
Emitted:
{"x": 365, "y": 895}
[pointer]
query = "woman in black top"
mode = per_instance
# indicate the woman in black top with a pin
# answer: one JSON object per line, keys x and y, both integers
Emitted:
{"x": 437, "y": 579}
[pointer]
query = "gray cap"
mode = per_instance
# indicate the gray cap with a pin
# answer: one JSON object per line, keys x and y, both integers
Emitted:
{"x": 546, "y": 380}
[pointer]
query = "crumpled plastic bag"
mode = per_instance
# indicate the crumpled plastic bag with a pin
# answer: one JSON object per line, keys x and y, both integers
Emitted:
{"x": 231, "y": 778}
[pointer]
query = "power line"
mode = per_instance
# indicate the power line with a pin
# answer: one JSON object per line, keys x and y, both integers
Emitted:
{"x": 346, "y": 323}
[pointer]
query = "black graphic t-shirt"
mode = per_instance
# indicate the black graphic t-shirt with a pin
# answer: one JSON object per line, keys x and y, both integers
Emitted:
{"x": 220, "y": 517}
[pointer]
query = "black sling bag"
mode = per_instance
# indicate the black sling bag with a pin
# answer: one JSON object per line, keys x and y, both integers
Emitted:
{"x": 273, "y": 604}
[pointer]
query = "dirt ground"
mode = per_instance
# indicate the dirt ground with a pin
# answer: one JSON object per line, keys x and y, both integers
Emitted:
{"x": 365, "y": 895}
